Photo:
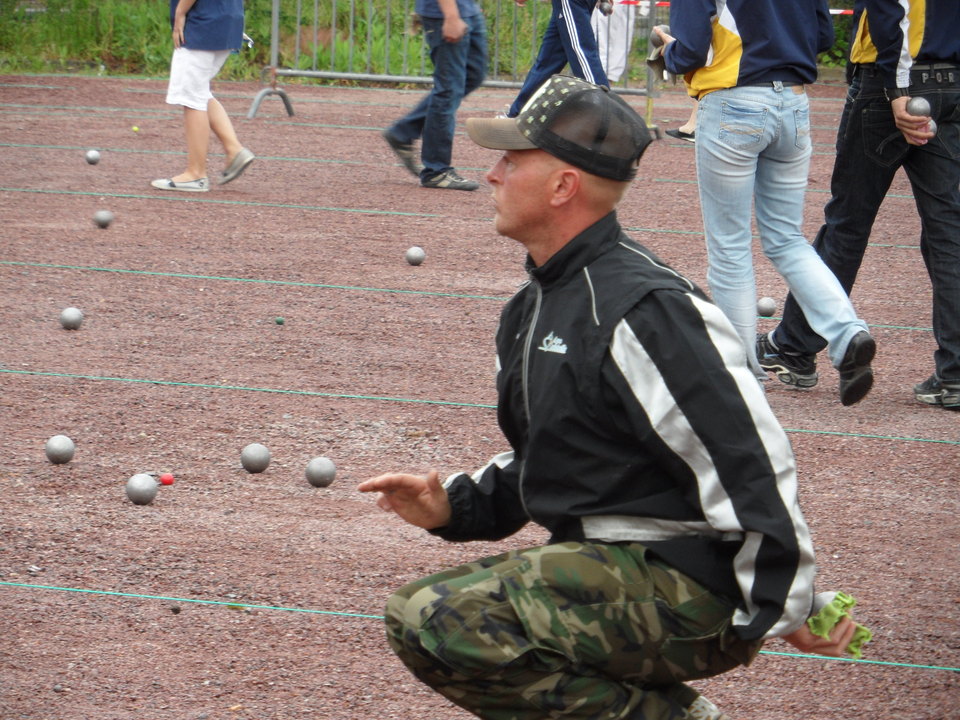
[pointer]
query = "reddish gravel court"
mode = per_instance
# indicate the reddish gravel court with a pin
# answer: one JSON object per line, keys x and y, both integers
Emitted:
{"x": 236, "y": 596}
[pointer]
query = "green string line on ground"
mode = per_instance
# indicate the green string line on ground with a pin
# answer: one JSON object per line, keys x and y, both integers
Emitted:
{"x": 300, "y": 283}
{"x": 285, "y": 206}
{"x": 379, "y": 398}
{"x": 278, "y": 391}
{"x": 663, "y": 231}
{"x": 295, "y": 283}
{"x": 238, "y": 604}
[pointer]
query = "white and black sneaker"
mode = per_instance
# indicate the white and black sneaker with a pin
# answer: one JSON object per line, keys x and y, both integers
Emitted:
{"x": 797, "y": 370}
{"x": 933, "y": 391}
{"x": 450, "y": 180}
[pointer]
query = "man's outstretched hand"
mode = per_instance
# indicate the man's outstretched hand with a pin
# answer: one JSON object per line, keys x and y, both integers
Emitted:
{"x": 420, "y": 500}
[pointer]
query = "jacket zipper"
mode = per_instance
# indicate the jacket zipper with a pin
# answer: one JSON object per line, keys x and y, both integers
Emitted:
{"x": 524, "y": 384}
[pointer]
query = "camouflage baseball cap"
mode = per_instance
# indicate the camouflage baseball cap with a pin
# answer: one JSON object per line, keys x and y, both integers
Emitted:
{"x": 583, "y": 124}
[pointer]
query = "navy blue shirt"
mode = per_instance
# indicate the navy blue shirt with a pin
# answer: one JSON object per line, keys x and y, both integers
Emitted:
{"x": 212, "y": 24}
{"x": 431, "y": 8}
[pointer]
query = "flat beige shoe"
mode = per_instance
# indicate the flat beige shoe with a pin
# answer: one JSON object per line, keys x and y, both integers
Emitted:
{"x": 198, "y": 185}
{"x": 237, "y": 166}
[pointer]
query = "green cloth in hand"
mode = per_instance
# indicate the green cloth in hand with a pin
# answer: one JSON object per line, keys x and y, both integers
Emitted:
{"x": 830, "y": 614}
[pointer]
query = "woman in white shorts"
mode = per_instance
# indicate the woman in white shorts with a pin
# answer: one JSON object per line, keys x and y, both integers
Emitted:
{"x": 205, "y": 32}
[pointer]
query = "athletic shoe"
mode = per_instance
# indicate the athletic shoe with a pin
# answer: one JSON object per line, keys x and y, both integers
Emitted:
{"x": 236, "y": 167}
{"x": 405, "y": 152}
{"x": 681, "y": 135}
{"x": 856, "y": 375}
{"x": 933, "y": 391}
{"x": 450, "y": 180}
{"x": 792, "y": 369}
{"x": 198, "y": 185}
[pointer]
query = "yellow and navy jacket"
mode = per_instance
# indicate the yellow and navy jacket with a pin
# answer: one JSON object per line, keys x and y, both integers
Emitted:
{"x": 725, "y": 43}
{"x": 895, "y": 34}
{"x": 632, "y": 417}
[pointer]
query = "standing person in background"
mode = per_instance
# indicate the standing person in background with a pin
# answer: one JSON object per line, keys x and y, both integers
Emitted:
{"x": 614, "y": 33}
{"x": 568, "y": 40}
{"x": 900, "y": 49}
{"x": 205, "y": 32}
{"x": 748, "y": 67}
{"x": 456, "y": 33}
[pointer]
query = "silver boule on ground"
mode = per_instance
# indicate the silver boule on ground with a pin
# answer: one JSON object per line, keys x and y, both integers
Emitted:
{"x": 59, "y": 449}
{"x": 141, "y": 489}
{"x": 71, "y": 318}
{"x": 93, "y": 156}
{"x": 415, "y": 255}
{"x": 321, "y": 471}
{"x": 255, "y": 458}
{"x": 102, "y": 218}
{"x": 766, "y": 306}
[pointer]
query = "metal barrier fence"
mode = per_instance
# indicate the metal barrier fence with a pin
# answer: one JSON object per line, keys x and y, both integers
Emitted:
{"x": 378, "y": 41}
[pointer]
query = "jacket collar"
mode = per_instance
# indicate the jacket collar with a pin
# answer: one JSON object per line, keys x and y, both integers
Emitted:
{"x": 577, "y": 254}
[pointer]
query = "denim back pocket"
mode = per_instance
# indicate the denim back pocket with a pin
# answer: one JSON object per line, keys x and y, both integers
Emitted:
{"x": 741, "y": 125}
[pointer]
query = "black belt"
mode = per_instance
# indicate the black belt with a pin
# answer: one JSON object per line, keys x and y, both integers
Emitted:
{"x": 938, "y": 73}
{"x": 922, "y": 74}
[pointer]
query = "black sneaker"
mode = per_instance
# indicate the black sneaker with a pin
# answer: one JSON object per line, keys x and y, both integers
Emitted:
{"x": 450, "y": 180}
{"x": 405, "y": 152}
{"x": 856, "y": 375}
{"x": 797, "y": 370}
{"x": 934, "y": 391}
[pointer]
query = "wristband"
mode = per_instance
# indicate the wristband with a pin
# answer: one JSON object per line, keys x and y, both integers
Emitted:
{"x": 894, "y": 93}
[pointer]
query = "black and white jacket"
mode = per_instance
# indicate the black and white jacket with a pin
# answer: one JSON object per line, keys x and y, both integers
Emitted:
{"x": 633, "y": 417}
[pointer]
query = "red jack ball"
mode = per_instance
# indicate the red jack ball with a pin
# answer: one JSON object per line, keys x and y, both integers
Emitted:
{"x": 166, "y": 479}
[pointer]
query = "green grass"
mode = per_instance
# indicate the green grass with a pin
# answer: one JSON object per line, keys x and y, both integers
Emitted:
{"x": 123, "y": 37}
{"x": 132, "y": 37}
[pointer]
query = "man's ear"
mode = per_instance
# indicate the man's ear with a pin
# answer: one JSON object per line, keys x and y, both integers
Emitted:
{"x": 565, "y": 184}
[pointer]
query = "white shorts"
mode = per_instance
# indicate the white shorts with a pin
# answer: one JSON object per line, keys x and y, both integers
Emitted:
{"x": 190, "y": 74}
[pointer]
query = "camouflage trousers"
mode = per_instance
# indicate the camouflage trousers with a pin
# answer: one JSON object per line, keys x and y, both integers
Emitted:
{"x": 572, "y": 630}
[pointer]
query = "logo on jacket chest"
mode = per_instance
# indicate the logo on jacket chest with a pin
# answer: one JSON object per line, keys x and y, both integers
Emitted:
{"x": 553, "y": 343}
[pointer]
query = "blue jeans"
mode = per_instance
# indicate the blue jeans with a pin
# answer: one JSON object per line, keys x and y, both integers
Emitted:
{"x": 568, "y": 39}
{"x": 870, "y": 149}
{"x": 458, "y": 69}
{"x": 753, "y": 146}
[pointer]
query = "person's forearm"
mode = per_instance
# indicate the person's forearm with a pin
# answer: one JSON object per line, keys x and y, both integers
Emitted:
{"x": 449, "y": 9}
{"x": 183, "y": 7}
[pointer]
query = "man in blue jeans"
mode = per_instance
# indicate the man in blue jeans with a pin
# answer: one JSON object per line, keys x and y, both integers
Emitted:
{"x": 875, "y": 138}
{"x": 456, "y": 32}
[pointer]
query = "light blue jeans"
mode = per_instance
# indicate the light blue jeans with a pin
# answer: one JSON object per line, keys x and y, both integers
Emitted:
{"x": 753, "y": 146}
